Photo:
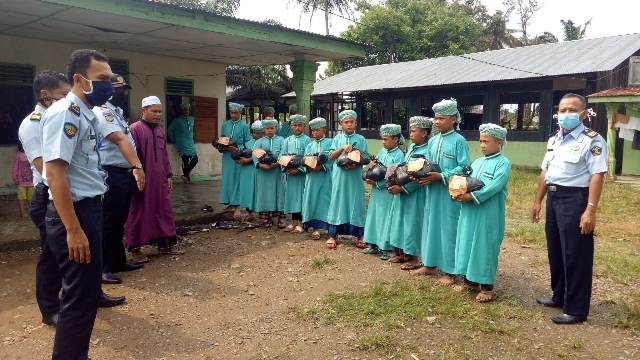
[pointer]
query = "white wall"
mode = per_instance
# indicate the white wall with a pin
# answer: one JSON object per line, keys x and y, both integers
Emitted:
{"x": 147, "y": 78}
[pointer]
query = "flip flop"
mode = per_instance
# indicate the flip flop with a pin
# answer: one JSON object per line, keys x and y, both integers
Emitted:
{"x": 289, "y": 228}
{"x": 397, "y": 259}
{"x": 410, "y": 266}
{"x": 385, "y": 256}
{"x": 316, "y": 236}
{"x": 361, "y": 244}
{"x": 331, "y": 244}
{"x": 370, "y": 251}
{"x": 298, "y": 230}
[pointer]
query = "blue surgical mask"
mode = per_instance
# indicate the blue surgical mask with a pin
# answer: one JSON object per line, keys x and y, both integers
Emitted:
{"x": 569, "y": 121}
{"x": 100, "y": 92}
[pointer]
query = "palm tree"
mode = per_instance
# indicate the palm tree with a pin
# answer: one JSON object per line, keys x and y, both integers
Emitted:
{"x": 342, "y": 8}
{"x": 496, "y": 33}
{"x": 573, "y": 31}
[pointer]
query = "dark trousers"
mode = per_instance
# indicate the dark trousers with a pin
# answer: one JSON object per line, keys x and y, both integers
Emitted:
{"x": 80, "y": 282}
{"x": 48, "y": 278}
{"x": 116, "y": 209}
{"x": 188, "y": 163}
{"x": 296, "y": 216}
{"x": 570, "y": 253}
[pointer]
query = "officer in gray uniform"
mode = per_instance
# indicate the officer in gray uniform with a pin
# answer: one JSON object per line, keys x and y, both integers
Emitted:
{"x": 48, "y": 87}
{"x": 76, "y": 183}
{"x": 119, "y": 159}
{"x": 572, "y": 176}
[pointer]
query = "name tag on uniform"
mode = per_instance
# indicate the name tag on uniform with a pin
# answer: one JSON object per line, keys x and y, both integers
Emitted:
{"x": 575, "y": 148}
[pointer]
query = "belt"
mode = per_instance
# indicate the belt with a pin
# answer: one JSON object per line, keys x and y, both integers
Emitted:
{"x": 560, "y": 188}
{"x": 92, "y": 200}
{"x": 110, "y": 168}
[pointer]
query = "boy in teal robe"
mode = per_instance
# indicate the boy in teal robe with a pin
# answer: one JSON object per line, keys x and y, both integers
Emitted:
{"x": 376, "y": 229}
{"x": 450, "y": 150}
{"x": 180, "y": 132}
{"x": 347, "y": 210}
{"x": 248, "y": 171}
{"x": 482, "y": 218}
{"x": 317, "y": 187}
{"x": 238, "y": 131}
{"x": 269, "y": 177}
{"x": 407, "y": 209}
{"x": 285, "y": 130}
{"x": 294, "y": 179}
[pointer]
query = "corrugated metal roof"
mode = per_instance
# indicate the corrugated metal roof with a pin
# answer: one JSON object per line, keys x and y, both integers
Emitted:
{"x": 557, "y": 59}
{"x": 628, "y": 91}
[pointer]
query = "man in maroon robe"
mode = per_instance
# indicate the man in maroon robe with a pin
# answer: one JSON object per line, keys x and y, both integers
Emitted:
{"x": 150, "y": 218}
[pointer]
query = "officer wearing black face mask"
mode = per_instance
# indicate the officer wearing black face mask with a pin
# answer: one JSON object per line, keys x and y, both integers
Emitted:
{"x": 120, "y": 160}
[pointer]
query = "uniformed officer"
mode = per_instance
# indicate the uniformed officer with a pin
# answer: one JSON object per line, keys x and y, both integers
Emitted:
{"x": 48, "y": 87}
{"x": 572, "y": 175}
{"x": 76, "y": 185}
{"x": 119, "y": 159}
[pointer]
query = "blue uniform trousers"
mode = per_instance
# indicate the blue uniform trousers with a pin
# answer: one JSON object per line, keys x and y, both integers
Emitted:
{"x": 48, "y": 278}
{"x": 116, "y": 210}
{"x": 570, "y": 253}
{"x": 80, "y": 282}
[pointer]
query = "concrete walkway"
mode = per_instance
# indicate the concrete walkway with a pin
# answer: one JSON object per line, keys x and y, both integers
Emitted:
{"x": 18, "y": 233}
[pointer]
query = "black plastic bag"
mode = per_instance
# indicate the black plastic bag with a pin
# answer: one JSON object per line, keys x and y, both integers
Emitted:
{"x": 424, "y": 166}
{"x": 374, "y": 171}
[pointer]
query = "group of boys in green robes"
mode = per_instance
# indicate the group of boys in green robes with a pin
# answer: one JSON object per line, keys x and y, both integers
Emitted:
{"x": 419, "y": 225}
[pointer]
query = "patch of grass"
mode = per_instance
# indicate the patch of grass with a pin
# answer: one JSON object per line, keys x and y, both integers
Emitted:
{"x": 622, "y": 267}
{"x": 263, "y": 356}
{"x": 389, "y": 306}
{"x": 629, "y": 313}
{"x": 376, "y": 341}
{"x": 322, "y": 261}
{"x": 526, "y": 233}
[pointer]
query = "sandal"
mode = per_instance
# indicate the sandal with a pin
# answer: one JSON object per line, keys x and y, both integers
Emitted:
{"x": 410, "y": 266}
{"x": 331, "y": 244}
{"x": 484, "y": 296}
{"x": 397, "y": 259}
{"x": 265, "y": 223}
{"x": 282, "y": 224}
{"x": 371, "y": 251}
{"x": 289, "y": 228}
{"x": 361, "y": 244}
{"x": 298, "y": 230}
{"x": 385, "y": 256}
{"x": 171, "y": 250}
{"x": 316, "y": 236}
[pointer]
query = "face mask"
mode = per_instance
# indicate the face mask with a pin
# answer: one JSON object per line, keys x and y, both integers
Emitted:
{"x": 569, "y": 121}
{"x": 119, "y": 98}
{"x": 100, "y": 92}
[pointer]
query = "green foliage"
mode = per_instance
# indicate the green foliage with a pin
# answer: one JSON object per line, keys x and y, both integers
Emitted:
{"x": 220, "y": 7}
{"x": 628, "y": 313}
{"x": 572, "y": 31}
{"x": 320, "y": 262}
{"x": 343, "y": 8}
{"x": 260, "y": 82}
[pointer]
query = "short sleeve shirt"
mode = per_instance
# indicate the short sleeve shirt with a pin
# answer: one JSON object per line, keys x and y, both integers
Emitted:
{"x": 109, "y": 120}
{"x": 30, "y": 135}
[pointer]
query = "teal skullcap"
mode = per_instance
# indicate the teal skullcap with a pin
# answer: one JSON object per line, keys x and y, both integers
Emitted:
{"x": 269, "y": 110}
{"x": 257, "y": 125}
{"x": 269, "y": 123}
{"x": 392, "y": 130}
{"x": 345, "y": 113}
{"x": 298, "y": 119}
{"x": 318, "y": 123}
{"x": 495, "y": 131}
{"x": 421, "y": 122}
{"x": 235, "y": 106}
{"x": 447, "y": 108}
{"x": 293, "y": 108}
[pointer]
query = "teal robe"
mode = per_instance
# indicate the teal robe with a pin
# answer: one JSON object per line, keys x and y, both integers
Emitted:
{"x": 239, "y": 132}
{"x": 438, "y": 244}
{"x": 294, "y": 184}
{"x": 376, "y": 229}
{"x": 180, "y": 132}
{"x": 482, "y": 221}
{"x": 317, "y": 187}
{"x": 407, "y": 211}
{"x": 269, "y": 187}
{"x": 285, "y": 130}
{"x": 347, "y": 187}
{"x": 247, "y": 180}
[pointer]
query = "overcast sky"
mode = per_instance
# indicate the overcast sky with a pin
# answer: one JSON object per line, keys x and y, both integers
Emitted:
{"x": 610, "y": 17}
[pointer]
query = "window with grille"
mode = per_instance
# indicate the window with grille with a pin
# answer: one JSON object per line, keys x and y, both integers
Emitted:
{"x": 16, "y": 99}
{"x": 183, "y": 87}
{"x": 15, "y": 74}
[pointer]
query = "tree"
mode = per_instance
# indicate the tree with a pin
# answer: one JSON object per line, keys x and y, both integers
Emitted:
{"x": 404, "y": 30}
{"x": 268, "y": 82}
{"x": 544, "y": 38}
{"x": 220, "y": 7}
{"x": 329, "y": 7}
{"x": 497, "y": 34}
{"x": 525, "y": 9}
{"x": 572, "y": 31}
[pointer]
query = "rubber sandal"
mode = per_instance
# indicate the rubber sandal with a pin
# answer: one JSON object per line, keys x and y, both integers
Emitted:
{"x": 331, "y": 244}
{"x": 316, "y": 236}
{"x": 371, "y": 251}
{"x": 298, "y": 230}
{"x": 361, "y": 244}
{"x": 410, "y": 266}
{"x": 385, "y": 256}
{"x": 397, "y": 259}
{"x": 289, "y": 228}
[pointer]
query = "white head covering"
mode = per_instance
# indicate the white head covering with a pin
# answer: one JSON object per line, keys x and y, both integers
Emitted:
{"x": 150, "y": 100}
{"x": 257, "y": 125}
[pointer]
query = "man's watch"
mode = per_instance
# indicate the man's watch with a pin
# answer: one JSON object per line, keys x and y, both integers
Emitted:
{"x": 137, "y": 166}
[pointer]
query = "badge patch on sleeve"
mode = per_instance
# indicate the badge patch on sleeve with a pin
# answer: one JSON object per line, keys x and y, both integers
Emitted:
{"x": 75, "y": 109}
{"x": 36, "y": 117}
{"x": 596, "y": 150}
{"x": 70, "y": 130}
{"x": 109, "y": 117}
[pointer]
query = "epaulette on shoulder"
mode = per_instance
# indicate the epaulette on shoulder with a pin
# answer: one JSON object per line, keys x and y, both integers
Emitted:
{"x": 36, "y": 116}
{"x": 590, "y": 133}
{"x": 74, "y": 108}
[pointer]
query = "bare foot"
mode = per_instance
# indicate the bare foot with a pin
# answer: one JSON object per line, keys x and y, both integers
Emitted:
{"x": 484, "y": 296}
{"x": 447, "y": 280}
{"x": 465, "y": 287}
{"x": 423, "y": 271}
{"x": 397, "y": 259}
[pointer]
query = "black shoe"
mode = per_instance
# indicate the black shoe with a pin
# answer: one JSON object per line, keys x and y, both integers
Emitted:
{"x": 129, "y": 267}
{"x": 548, "y": 303}
{"x": 565, "y": 319}
{"x": 106, "y": 301}
{"x": 109, "y": 278}
{"x": 51, "y": 320}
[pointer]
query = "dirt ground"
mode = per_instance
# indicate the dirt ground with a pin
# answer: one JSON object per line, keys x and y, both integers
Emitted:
{"x": 237, "y": 295}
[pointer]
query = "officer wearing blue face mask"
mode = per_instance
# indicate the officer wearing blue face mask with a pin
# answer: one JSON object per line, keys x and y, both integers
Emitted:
{"x": 74, "y": 218}
{"x": 572, "y": 177}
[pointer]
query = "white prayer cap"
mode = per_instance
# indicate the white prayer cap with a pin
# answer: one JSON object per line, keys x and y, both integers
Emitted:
{"x": 150, "y": 100}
